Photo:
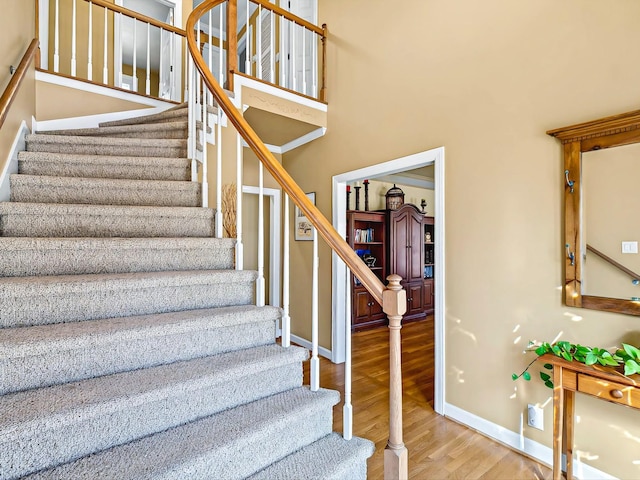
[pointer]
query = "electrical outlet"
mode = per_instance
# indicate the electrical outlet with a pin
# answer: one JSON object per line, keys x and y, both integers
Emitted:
{"x": 535, "y": 417}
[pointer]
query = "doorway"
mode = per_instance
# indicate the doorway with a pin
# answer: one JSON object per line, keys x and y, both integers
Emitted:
{"x": 340, "y": 308}
{"x": 133, "y": 43}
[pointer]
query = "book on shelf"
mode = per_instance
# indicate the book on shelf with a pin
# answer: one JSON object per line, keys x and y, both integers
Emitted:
{"x": 363, "y": 235}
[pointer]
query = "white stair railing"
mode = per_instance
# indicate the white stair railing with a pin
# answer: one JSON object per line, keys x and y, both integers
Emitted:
{"x": 70, "y": 51}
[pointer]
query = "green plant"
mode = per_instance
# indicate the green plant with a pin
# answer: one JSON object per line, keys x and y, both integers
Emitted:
{"x": 627, "y": 356}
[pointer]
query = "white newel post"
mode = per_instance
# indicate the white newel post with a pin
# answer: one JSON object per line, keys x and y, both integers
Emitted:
{"x": 286, "y": 319}
{"x": 347, "y": 410}
{"x": 315, "y": 361}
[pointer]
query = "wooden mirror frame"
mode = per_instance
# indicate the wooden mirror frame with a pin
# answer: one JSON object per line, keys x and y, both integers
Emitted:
{"x": 609, "y": 132}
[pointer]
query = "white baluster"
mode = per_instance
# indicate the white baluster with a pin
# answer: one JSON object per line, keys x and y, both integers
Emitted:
{"x": 221, "y": 45}
{"x": 161, "y": 68}
{"x": 247, "y": 61}
{"x": 314, "y": 65}
{"x": 286, "y": 319}
{"x": 219, "y": 174}
{"x": 192, "y": 122}
{"x": 90, "y": 45}
{"x": 347, "y": 409}
{"x": 260, "y": 285}
{"x": 148, "y": 79}
{"x": 272, "y": 41}
{"x": 259, "y": 42}
{"x": 56, "y": 39}
{"x": 135, "y": 55}
{"x": 239, "y": 180}
{"x": 187, "y": 73}
{"x": 304, "y": 61}
{"x": 105, "y": 62}
{"x": 294, "y": 76}
{"x": 73, "y": 39}
{"x": 281, "y": 61}
{"x": 196, "y": 85}
{"x": 120, "y": 17}
{"x": 315, "y": 361}
{"x": 210, "y": 56}
{"x": 205, "y": 180}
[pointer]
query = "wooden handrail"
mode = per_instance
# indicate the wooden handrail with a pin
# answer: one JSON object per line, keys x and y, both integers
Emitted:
{"x": 137, "y": 16}
{"x": 319, "y": 221}
{"x": 610, "y": 260}
{"x": 10, "y": 92}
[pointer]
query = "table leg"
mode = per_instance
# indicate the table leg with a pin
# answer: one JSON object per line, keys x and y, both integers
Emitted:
{"x": 569, "y": 405}
{"x": 558, "y": 422}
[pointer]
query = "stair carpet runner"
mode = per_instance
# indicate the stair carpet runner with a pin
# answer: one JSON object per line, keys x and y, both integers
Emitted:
{"x": 130, "y": 348}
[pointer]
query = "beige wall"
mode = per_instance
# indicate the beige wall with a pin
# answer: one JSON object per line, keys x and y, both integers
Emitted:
{"x": 485, "y": 80}
{"x": 57, "y": 101}
{"x": 17, "y": 29}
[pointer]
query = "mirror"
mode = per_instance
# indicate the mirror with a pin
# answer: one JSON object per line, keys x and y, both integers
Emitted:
{"x": 610, "y": 226}
{"x": 601, "y": 168}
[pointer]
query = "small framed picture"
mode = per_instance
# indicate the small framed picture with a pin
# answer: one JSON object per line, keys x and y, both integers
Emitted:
{"x": 304, "y": 229}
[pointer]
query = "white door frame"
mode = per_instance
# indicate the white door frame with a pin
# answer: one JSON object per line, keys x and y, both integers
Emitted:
{"x": 275, "y": 249}
{"x": 339, "y": 272}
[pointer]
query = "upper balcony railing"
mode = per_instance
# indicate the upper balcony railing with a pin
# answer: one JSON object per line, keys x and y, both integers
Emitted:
{"x": 104, "y": 43}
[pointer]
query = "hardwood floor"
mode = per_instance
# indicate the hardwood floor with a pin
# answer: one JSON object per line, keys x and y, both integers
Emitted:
{"x": 438, "y": 447}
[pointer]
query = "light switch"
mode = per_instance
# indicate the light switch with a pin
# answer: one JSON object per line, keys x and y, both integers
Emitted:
{"x": 629, "y": 247}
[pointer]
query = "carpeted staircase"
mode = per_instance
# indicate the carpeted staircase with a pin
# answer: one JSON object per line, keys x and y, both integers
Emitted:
{"x": 130, "y": 348}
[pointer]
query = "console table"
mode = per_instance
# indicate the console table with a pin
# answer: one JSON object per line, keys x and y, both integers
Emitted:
{"x": 570, "y": 377}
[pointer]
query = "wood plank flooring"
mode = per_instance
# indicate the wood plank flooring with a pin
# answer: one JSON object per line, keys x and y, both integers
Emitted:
{"x": 438, "y": 447}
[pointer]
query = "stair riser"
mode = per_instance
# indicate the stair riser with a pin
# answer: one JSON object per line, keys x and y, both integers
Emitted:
{"x": 104, "y": 358}
{"x": 210, "y": 449}
{"x": 283, "y": 438}
{"x": 61, "y": 225}
{"x": 41, "y": 305}
{"x": 172, "y": 134}
{"x": 168, "y": 116}
{"x": 75, "y": 192}
{"x": 83, "y": 432}
{"x": 137, "y": 172}
{"x": 115, "y": 150}
{"x": 84, "y": 261}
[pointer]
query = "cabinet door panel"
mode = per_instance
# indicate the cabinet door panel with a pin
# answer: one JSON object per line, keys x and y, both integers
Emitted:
{"x": 361, "y": 301}
{"x": 415, "y": 253}
{"x": 415, "y": 294}
{"x": 428, "y": 295}
{"x": 400, "y": 246}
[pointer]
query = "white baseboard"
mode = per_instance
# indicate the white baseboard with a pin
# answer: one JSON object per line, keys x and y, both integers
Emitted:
{"x": 11, "y": 165}
{"x": 519, "y": 443}
{"x": 303, "y": 342}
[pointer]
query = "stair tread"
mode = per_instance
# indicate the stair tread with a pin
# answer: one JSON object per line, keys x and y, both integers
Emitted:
{"x": 14, "y": 244}
{"x": 55, "y": 157}
{"x": 26, "y": 208}
{"x": 93, "y": 140}
{"x": 115, "y": 183}
{"x": 115, "y": 129}
{"x": 41, "y": 339}
{"x": 51, "y": 403}
{"x": 184, "y": 448}
{"x": 333, "y": 452}
{"x": 27, "y": 256}
{"x": 123, "y": 280}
